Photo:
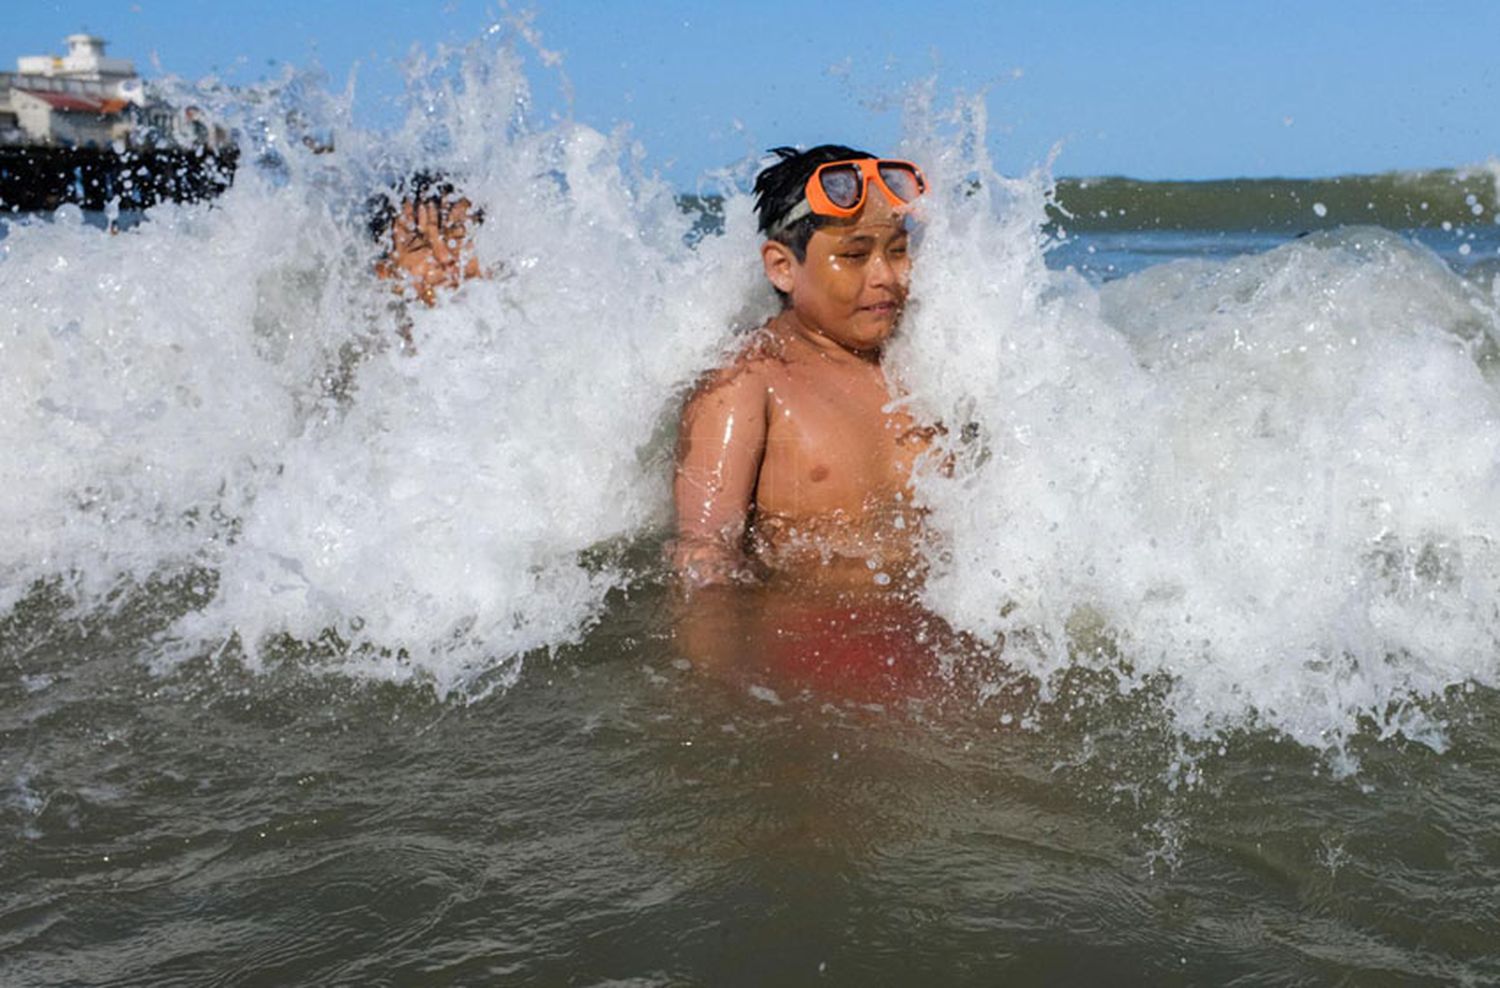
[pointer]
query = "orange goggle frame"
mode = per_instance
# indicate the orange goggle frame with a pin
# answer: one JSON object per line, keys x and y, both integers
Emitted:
{"x": 838, "y": 188}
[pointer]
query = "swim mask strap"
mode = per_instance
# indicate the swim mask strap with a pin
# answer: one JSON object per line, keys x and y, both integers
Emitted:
{"x": 801, "y": 211}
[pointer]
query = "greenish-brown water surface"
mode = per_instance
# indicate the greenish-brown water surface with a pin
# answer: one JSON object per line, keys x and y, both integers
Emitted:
{"x": 621, "y": 815}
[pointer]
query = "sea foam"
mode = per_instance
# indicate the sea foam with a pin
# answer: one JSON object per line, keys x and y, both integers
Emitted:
{"x": 1268, "y": 482}
{"x": 222, "y": 387}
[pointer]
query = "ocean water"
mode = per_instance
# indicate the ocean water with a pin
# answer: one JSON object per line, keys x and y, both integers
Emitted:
{"x": 325, "y": 662}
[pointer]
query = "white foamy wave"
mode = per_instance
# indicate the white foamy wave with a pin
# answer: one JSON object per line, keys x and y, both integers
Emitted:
{"x": 1271, "y": 480}
{"x": 139, "y": 397}
{"x": 220, "y": 388}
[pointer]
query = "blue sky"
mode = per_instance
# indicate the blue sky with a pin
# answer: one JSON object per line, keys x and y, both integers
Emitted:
{"x": 1148, "y": 88}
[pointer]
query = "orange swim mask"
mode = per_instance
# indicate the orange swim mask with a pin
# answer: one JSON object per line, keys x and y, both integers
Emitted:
{"x": 838, "y": 188}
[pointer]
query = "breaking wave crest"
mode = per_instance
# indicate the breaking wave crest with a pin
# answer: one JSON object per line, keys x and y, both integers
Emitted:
{"x": 1267, "y": 481}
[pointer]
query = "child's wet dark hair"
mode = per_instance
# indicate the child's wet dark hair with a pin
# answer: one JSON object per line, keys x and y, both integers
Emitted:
{"x": 779, "y": 187}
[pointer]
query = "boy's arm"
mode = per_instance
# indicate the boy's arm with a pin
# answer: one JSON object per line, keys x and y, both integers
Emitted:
{"x": 721, "y": 442}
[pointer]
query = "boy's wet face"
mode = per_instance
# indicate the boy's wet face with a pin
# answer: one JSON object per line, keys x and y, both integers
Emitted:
{"x": 851, "y": 286}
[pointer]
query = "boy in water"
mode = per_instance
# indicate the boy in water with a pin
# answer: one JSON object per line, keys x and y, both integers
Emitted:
{"x": 790, "y": 458}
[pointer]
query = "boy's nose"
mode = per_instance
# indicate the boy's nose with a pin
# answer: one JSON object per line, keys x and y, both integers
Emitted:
{"x": 882, "y": 271}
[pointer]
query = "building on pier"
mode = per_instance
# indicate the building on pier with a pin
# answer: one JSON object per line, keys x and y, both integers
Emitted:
{"x": 86, "y": 99}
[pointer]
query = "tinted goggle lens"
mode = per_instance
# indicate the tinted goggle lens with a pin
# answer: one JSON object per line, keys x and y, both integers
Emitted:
{"x": 902, "y": 181}
{"x": 843, "y": 186}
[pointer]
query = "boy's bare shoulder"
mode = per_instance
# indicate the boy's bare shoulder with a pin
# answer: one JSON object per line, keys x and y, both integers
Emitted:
{"x": 754, "y": 366}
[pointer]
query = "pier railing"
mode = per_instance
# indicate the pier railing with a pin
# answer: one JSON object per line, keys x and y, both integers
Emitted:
{"x": 37, "y": 178}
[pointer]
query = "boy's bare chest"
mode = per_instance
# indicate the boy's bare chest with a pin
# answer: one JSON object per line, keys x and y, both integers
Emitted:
{"x": 834, "y": 441}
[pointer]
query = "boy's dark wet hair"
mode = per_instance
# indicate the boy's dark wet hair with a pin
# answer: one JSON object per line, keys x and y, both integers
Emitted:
{"x": 781, "y": 186}
{"x": 418, "y": 187}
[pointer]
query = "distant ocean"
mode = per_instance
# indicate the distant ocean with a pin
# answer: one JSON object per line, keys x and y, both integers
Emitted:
{"x": 1116, "y": 226}
{"x": 322, "y": 662}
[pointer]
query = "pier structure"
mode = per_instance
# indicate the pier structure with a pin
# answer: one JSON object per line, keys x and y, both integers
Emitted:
{"x": 85, "y": 128}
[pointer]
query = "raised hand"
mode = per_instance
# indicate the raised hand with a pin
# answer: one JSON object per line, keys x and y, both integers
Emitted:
{"x": 430, "y": 247}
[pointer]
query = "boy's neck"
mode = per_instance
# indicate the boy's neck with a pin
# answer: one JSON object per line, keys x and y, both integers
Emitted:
{"x": 793, "y": 325}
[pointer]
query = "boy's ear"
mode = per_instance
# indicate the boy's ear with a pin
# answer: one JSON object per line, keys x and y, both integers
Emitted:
{"x": 780, "y": 264}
